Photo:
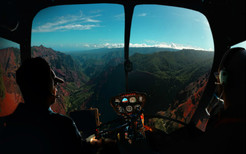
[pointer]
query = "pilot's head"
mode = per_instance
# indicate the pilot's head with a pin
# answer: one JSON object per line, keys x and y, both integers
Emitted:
{"x": 232, "y": 78}
{"x": 37, "y": 82}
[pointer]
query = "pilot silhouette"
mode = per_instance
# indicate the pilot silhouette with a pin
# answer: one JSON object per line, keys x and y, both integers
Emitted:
{"x": 34, "y": 127}
{"x": 226, "y": 132}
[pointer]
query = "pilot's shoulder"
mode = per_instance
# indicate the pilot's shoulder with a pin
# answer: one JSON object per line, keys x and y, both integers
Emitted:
{"x": 59, "y": 118}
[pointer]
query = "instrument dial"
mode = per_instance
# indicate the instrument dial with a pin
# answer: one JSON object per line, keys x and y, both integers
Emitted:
{"x": 129, "y": 108}
{"x": 124, "y": 100}
{"x": 137, "y": 107}
{"x": 140, "y": 99}
{"x": 132, "y": 99}
{"x": 117, "y": 100}
{"x": 121, "y": 109}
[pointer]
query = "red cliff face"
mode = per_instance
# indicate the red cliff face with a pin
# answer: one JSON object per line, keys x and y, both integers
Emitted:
{"x": 62, "y": 64}
{"x": 64, "y": 67}
{"x": 185, "y": 105}
{"x": 9, "y": 62}
{"x": 186, "y": 108}
{"x": 9, "y": 103}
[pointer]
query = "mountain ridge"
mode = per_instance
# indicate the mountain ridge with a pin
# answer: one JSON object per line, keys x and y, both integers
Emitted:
{"x": 157, "y": 83}
{"x": 161, "y": 74}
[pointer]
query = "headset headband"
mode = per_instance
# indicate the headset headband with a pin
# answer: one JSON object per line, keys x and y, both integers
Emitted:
{"x": 225, "y": 62}
{"x": 229, "y": 54}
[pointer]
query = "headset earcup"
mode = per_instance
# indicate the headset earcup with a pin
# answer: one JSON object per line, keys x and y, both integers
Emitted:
{"x": 223, "y": 75}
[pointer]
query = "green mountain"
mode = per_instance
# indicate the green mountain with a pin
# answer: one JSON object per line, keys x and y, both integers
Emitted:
{"x": 162, "y": 75}
{"x": 99, "y": 90}
{"x": 92, "y": 78}
{"x": 64, "y": 65}
{"x": 173, "y": 64}
{"x": 94, "y": 61}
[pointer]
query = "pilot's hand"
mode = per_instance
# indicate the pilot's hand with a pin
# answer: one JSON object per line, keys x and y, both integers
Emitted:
{"x": 93, "y": 141}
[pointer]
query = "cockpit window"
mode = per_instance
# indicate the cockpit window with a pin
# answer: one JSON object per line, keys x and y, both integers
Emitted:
{"x": 171, "y": 50}
{"x": 172, "y": 53}
{"x": 84, "y": 45}
{"x": 170, "y": 27}
{"x": 10, "y": 95}
{"x": 241, "y": 44}
{"x": 79, "y": 27}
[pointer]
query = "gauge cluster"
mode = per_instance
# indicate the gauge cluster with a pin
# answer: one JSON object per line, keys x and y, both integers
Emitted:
{"x": 128, "y": 103}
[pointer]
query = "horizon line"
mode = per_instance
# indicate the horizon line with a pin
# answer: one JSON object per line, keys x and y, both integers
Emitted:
{"x": 90, "y": 49}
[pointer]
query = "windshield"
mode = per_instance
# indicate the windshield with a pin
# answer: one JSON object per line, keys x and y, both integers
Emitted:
{"x": 171, "y": 50}
{"x": 84, "y": 45}
{"x": 172, "y": 54}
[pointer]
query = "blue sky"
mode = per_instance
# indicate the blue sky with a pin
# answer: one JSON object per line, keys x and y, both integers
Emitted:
{"x": 84, "y": 27}
{"x": 165, "y": 26}
{"x": 79, "y": 27}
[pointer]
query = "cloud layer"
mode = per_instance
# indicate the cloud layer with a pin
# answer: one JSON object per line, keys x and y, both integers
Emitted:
{"x": 157, "y": 45}
{"x": 69, "y": 22}
{"x": 142, "y": 14}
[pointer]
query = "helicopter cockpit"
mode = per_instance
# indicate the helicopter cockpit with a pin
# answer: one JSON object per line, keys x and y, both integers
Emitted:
{"x": 135, "y": 72}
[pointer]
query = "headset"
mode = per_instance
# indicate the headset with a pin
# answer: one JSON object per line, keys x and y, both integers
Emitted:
{"x": 223, "y": 76}
{"x": 223, "y": 73}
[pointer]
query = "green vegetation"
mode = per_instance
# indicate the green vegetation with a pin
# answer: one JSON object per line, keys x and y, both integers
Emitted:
{"x": 180, "y": 65}
{"x": 77, "y": 97}
{"x": 163, "y": 74}
{"x": 160, "y": 74}
{"x": 93, "y": 62}
{"x": 167, "y": 126}
{"x": 93, "y": 77}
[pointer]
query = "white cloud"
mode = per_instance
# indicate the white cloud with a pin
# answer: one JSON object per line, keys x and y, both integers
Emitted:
{"x": 142, "y": 14}
{"x": 69, "y": 22}
{"x": 119, "y": 16}
{"x": 104, "y": 45}
{"x": 114, "y": 45}
{"x": 65, "y": 27}
{"x": 92, "y": 20}
{"x": 151, "y": 41}
{"x": 95, "y": 11}
{"x": 176, "y": 46}
{"x": 141, "y": 45}
{"x": 157, "y": 44}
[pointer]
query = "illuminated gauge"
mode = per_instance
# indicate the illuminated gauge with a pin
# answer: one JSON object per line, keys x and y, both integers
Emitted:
{"x": 132, "y": 99}
{"x": 124, "y": 100}
{"x": 121, "y": 109}
{"x": 137, "y": 107}
{"x": 140, "y": 99}
{"x": 117, "y": 100}
{"x": 129, "y": 108}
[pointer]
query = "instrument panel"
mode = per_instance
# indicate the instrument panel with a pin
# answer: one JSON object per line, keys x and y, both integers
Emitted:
{"x": 128, "y": 103}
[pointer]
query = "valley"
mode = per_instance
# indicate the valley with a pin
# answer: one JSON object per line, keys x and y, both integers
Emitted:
{"x": 173, "y": 79}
